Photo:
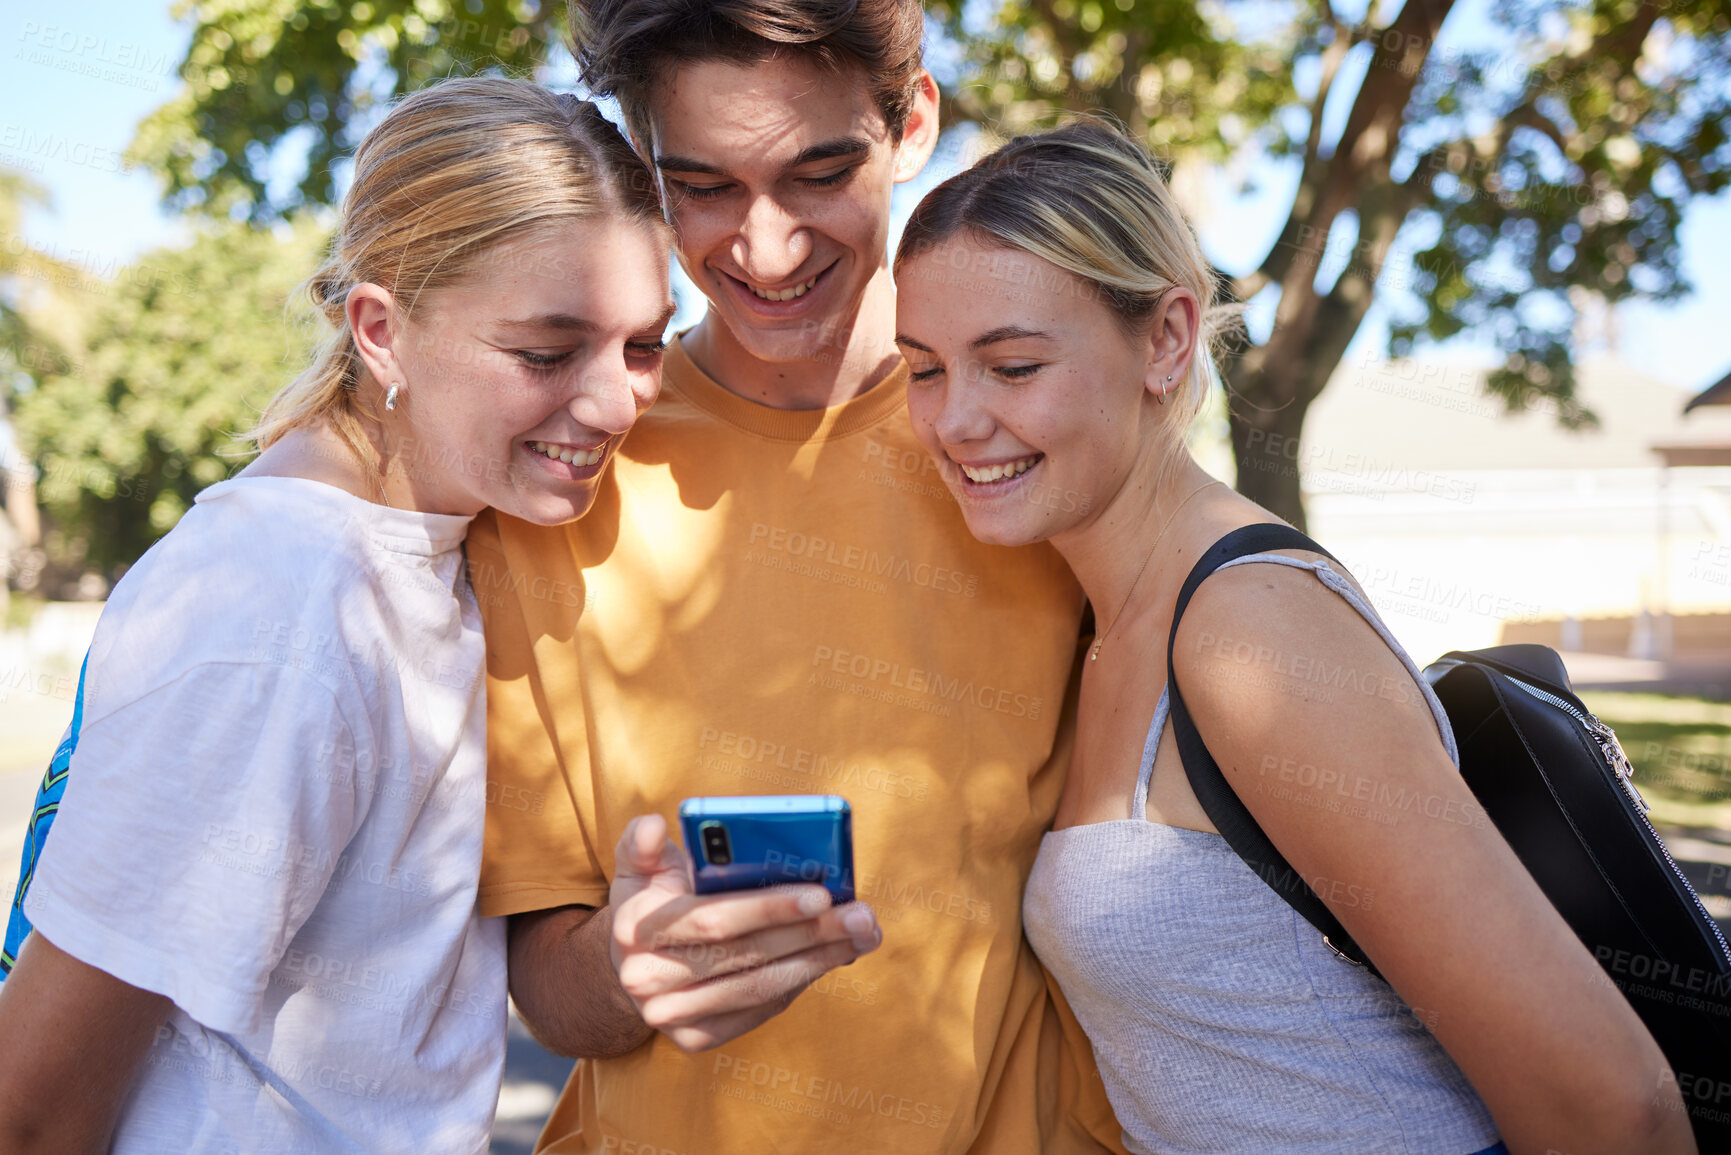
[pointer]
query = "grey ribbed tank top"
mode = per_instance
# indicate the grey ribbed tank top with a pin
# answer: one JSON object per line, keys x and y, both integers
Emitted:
{"x": 1220, "y": 1020}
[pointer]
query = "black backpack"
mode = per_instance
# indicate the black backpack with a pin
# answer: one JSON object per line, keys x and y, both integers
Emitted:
{"x": 1556, "y": 784}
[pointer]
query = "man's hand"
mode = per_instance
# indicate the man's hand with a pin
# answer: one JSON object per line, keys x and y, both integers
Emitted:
{"x": 706, "y": 969}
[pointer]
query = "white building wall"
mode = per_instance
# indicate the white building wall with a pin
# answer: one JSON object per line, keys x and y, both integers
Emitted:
{"x": 1448, "y": 564}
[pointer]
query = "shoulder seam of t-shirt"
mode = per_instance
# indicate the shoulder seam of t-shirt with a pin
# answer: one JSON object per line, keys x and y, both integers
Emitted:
{"x": 229, "y": 1019}
{"x": 338, "y": 698}
{"x": 333, "y": 574}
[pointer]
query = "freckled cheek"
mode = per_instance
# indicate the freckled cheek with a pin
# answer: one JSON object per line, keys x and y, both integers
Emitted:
{"x": 498, "y": 418}
{"x": 461, "y": 368}
{"x": 922, "y": 411}
{"x": 1052, "y": 431}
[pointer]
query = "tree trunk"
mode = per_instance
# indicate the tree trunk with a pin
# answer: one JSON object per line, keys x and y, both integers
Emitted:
{"x": 1265, "y": 445}
{"x": 1270, "y": 387}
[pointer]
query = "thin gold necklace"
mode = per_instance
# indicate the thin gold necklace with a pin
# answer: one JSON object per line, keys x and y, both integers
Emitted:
{"x": 1094, "y": 650}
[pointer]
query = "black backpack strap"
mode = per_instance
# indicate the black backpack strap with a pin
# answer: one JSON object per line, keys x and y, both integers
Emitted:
{"x": 1219, "y": 802}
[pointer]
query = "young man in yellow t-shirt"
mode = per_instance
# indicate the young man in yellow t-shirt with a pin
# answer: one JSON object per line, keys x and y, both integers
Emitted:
{"x": 775, "y": 593}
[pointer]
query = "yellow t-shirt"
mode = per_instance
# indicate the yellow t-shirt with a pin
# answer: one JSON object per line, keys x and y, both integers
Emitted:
{"x": 775, "y": 602}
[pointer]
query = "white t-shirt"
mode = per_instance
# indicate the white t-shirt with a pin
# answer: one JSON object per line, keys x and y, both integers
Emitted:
{"x": 274, "y": 817}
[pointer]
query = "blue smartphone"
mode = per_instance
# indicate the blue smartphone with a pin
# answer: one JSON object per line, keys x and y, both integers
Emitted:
{"x": 742, "y": 842}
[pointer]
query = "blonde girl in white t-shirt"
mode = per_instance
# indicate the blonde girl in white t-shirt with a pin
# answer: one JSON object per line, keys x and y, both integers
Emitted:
{"x": 255, "y": 922}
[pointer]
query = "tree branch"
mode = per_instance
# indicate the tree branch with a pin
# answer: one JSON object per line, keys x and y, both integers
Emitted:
{"x": 1352, "y": 176}
{"x": 1622, "y": 44}
{"x": 1332, "y": 56}
{"x": 1372, "y": 133}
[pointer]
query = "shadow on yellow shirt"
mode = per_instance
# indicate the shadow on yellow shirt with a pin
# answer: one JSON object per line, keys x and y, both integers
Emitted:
{"x": 786, "y": 602}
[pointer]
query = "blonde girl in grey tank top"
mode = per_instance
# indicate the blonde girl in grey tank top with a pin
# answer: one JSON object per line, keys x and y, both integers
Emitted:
{"x": 1189, "y": 972}
{"x": 1052, "y": 304}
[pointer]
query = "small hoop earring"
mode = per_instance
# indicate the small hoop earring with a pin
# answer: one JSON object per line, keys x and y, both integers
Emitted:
{"x": 1161, "y": 396}
{"x": 391, "y": 397}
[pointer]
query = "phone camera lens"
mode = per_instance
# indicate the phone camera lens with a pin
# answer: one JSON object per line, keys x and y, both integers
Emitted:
{"x": 716, "y": 847}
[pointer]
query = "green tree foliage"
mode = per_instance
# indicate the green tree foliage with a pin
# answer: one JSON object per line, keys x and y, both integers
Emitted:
{"x": 1476, "y": 182}
{"x": 265, "y": 78}
{"x": 181, "y": 351}
{"x": 28, "y": 279}
{"x": 20, "y": 267}
{"x": 1182, "y": 82}
{"x": 1478, "y": 189}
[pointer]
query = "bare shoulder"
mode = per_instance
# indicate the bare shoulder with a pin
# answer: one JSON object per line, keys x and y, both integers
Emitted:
{"x": 1328, "y": 740}
{"x": 1284, "y": 628}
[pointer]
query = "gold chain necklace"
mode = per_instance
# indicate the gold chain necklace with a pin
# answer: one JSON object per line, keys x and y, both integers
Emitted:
{"x": 1094, "y": 650}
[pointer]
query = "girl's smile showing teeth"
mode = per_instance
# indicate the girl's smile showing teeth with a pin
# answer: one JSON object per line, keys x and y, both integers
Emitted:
{"x": 1003, "y": 471}
{"x": 569, "y": 454}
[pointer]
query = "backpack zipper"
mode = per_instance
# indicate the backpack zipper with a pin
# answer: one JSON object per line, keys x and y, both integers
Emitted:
{"x": 1612, "y": 751}
{"x": 1605, "y": 738}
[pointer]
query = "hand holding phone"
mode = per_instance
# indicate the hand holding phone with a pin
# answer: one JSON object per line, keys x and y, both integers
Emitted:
{"x": 706, "y": 968}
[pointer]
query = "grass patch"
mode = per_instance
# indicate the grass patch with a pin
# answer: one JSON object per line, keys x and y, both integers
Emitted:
{"x": 20, "y": 611}
{"x": 1681, "y": 751}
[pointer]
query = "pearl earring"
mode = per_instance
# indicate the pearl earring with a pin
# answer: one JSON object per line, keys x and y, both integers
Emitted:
{"x": 391, "y": 396}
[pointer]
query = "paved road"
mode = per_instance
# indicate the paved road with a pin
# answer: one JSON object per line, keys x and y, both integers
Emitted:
{"x": 30, "y": 727}
{"x": 532, "y": 1081}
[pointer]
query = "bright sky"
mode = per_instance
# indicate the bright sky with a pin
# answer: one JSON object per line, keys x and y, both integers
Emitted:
{"x": 77, "y": 79}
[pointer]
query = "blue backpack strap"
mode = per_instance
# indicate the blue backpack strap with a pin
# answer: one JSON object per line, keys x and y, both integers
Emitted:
{"x": 42, "y": 814}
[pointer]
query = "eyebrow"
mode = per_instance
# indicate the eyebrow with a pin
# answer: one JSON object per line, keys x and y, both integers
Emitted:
{"x": 832, "y": 150}
{"x": 562, "y": 321}
{"x": 565, "y": 322}
{"x": 990, "y": 337}
{"x": 841, "y": 146}
{"x": 1007, "y": 333}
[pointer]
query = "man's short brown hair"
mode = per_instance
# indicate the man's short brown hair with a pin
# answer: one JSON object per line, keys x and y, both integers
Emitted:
{"x": 622, "y": 45}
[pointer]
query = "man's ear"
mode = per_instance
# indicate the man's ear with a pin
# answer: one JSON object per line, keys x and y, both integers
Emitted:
{"x": 920, "y": 134}
{"x": 372, "y": 315}
{"x": 1172, "y": 334}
